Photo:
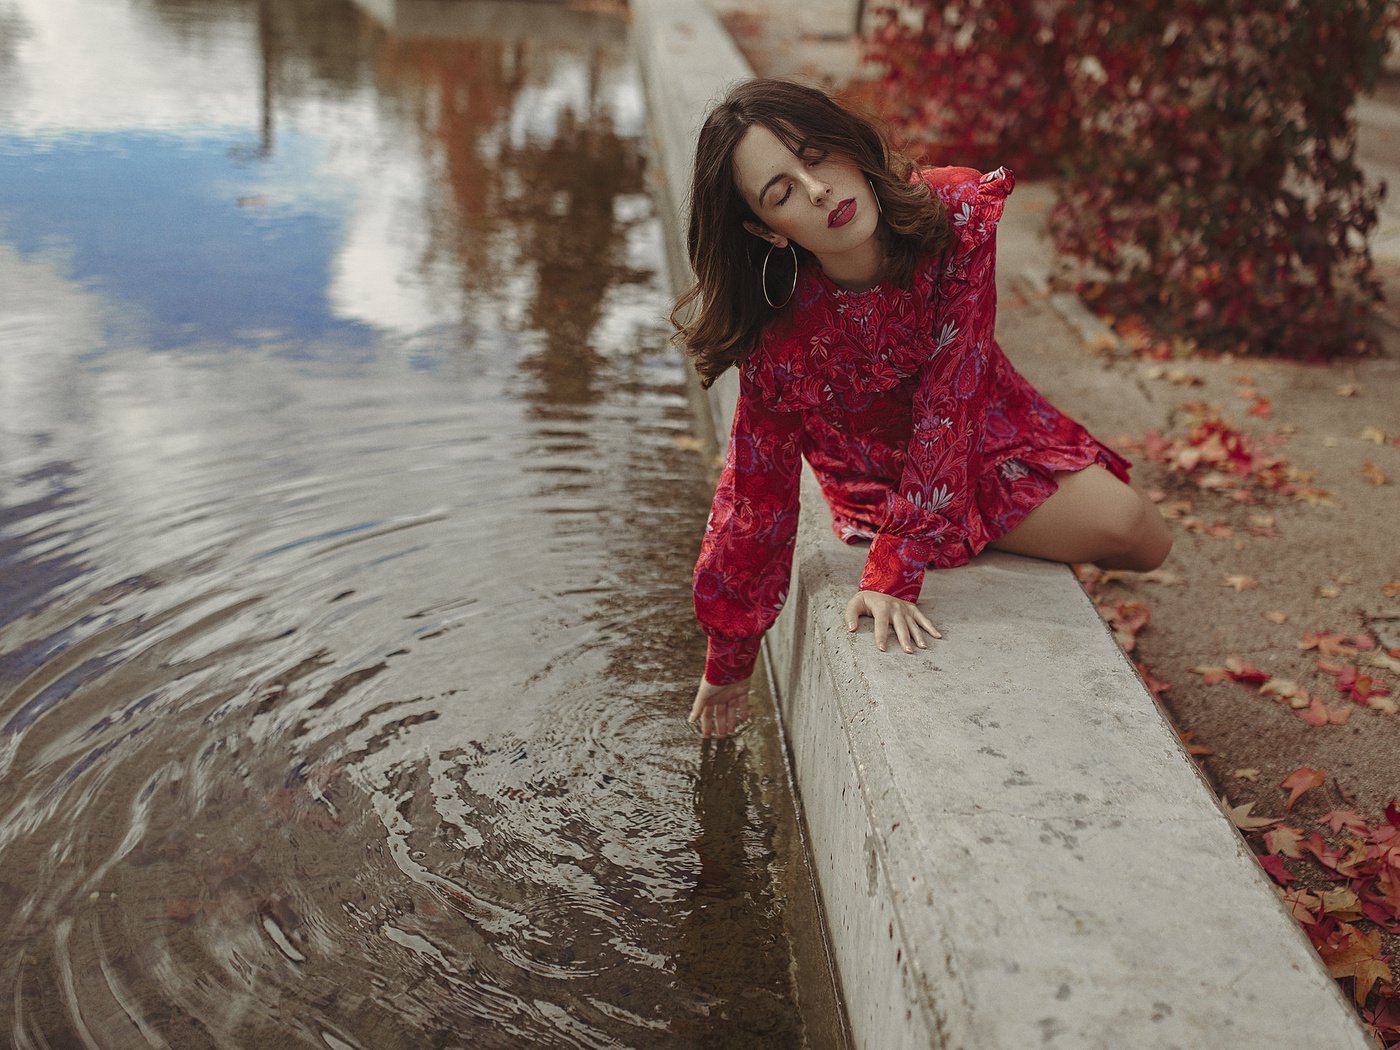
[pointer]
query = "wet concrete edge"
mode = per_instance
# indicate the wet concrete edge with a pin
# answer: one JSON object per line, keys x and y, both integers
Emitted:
{"x": 945, "y": 886}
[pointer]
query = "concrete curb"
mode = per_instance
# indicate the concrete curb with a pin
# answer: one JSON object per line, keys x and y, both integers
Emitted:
{"x": 1012, "y": 847}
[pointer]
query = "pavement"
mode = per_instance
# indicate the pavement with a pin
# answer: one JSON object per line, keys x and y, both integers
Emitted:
{"x": 1283, "y": 577}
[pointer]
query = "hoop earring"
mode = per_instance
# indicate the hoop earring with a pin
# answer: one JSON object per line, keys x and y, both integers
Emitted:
{"x": 878, "y": 210}
{"x": 763, "y": 277}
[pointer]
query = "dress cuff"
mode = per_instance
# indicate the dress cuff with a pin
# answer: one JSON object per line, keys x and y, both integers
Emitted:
{"x": 731, "y": 659}
{"x": 895, "y": 566}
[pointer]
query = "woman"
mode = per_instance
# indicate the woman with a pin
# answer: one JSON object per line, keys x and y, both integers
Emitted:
{"x": 857, "y": 297}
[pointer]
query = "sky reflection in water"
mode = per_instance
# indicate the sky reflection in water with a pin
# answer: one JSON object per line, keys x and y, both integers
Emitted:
{"x": 347, "y": 507}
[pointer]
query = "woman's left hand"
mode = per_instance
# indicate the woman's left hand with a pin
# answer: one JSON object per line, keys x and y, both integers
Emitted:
{"x": 889, "y": 611}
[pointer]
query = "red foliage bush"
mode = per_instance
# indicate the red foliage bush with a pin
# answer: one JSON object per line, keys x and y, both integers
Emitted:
{"x": 975, "y": 82}
{"x": 1207, "y": 148}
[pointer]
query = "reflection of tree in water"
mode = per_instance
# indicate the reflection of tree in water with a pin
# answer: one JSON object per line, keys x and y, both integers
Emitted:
{"x": 570, "y": 230}
{"x": 458, "y": 92}
{"x": 562, "y": 192}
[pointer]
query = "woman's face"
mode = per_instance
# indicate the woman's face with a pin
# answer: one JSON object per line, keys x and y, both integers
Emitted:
{"x": 821, "y": 201}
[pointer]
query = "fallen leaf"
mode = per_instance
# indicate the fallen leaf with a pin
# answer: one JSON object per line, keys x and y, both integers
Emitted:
{"x": 1212, "y": 674}
{"x": 1157, "y": 687}
{"x": 1275, "y": 866}
{"x": 1348, "y": 390}
{"x": 1302, "y": 779}
{"x": 1391, "y": 588}
{"x": 1341, "y": 901}
{"x": 1261, "y": 408}
{"x": 1385, "y": 661}
{"x": 1193, "y": 748}
{"x": 1328, "y": 643}
{"x": 1374, "y": 474}
{"x": 1283, "y": 839}
{"x": 1315, "y": 497}
{"x": 1276, "y": 616}
{"x": 690, "y": 444}
{"x": 1240, "y": 817}
{"x": 1329, "y": 590}
{"x": 1359, "y": 686}
{"x": 1374, "y": 434}
{"x": 1384, "y": 704}
{"x": 1359, "y": 957}
{"x": 1245, "y": 774}
{"x": 1340, "y": 820}
{"x": 1240, "y": 583}
{"x": 1302, "y": 905}
{"x": 1244, "y": 671}
{"x": 1165, "y": 577}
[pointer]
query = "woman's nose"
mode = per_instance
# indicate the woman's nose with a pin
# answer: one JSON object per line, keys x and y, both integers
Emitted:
{"x": 819, "y": 191}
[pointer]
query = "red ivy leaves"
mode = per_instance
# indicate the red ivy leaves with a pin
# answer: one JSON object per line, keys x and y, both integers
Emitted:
{"x": 1230, "y": 211}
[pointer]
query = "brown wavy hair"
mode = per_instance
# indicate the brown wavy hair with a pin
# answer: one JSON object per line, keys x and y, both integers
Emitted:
{"x": 727, "y": 302}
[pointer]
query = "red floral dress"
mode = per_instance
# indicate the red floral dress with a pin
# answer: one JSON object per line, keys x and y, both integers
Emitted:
{"x": 923, "y": 437}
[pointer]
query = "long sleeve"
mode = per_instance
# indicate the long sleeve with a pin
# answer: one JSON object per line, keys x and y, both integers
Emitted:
{"x": 925, "y": 519}
{"x": 742, "y": 574}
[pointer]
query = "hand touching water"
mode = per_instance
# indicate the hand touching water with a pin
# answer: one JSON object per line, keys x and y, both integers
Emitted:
{"x": 718, "y": 709}
{"x": 888, "y": 611}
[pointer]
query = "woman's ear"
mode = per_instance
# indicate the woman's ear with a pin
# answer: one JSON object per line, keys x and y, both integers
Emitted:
{"x": 777, "y": 240}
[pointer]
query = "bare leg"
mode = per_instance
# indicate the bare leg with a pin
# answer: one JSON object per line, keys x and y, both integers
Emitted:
{"x": 1093, "y": 517}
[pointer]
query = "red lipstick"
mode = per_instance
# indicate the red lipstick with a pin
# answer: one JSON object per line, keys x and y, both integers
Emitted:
{"x": 842, "y": 213}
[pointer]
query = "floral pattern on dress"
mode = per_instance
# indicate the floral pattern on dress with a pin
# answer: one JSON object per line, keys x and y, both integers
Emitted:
{"x": 923, "y": 437}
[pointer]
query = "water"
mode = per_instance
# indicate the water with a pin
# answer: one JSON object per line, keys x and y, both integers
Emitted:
{"x": 348, "y": 500}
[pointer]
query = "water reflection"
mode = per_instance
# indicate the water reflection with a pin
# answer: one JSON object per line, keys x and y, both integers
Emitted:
{"x": 344, "y": 546}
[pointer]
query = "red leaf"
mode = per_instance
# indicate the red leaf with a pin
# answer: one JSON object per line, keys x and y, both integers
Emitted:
{"x": 1302, "y": 779}
{"x": 1275, "y": 866}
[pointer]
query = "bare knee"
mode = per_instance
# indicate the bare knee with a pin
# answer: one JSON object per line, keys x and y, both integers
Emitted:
{"x": 1136, "y": 535}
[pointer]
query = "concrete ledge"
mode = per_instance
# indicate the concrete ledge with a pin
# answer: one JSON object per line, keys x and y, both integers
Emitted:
{"x": 1012, "y": 847}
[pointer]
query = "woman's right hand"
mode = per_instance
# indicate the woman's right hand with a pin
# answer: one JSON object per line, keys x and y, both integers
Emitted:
{"x": 719, "y": 708}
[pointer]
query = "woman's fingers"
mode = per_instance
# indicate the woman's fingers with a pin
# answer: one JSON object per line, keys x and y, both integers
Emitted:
{"x": 882, "y": 628}
{"x": 718, "y": 710}
{"x": 901, "y": 631}
{"x": 926, "y": 622}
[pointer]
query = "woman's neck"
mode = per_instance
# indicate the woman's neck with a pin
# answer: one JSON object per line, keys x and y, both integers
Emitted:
{"x": 857, "y": 270}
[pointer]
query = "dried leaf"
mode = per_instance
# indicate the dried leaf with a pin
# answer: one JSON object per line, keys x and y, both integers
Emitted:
{"x": 1165, "y": 577}
{"x": 1374, "y": 434}
{"x": 1301, "y": 780}
{"x": 1340, "y": 820}
{"x": 1245, "y": 774}
{"x": 1276, "y": 616}
{"x": 1385, "y": 661}
{"x": 1342, "y": 902}
{"x": 1240, "y": 583}
{"x": 1284, "y": 840}
{"x": 1374, "y": 474}
{"x": 1328, "y": 643}
{"x": 1193, "y": 748}
{"x": 1359, "y": 957}
{"x": 1240, "y": 817}
{"x": 1212, "y": 674}
{"x": 1275, "y": 866}
{"x": 1302, "y": 905}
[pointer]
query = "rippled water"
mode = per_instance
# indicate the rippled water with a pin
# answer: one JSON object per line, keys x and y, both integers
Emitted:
{"x": 347, "y": 508}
